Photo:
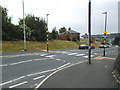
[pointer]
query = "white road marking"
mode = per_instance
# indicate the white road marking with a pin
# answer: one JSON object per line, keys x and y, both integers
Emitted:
{"x": 95, "y": 53}
{"x": 19, "y": 78}
{"x": 65, "y": 52}
{"x": 58, "y": 59}
{"x": 72, "y": 53}
{"x": 5, "y": 83}
{"x": 63, "y": 65}
{"x": 80, "y": 55}
{"x": 19, "y": 84}
{"x": 41, "y": 72}
{"x": 50, "y": 56}
{"x": 87, "y": 56}
{"x": 40, "y": 59}
{"x": 20, "y": 62}
{"x": 12, "y": 80}
{"x": 4, "y": 65}
{"x": 43, "y": 54}
{"x": 39, "y": 77}
{"x": 38, "y": 86}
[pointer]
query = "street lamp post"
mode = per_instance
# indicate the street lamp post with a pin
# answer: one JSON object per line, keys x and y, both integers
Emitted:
{"x": 24, "y": 28}
{"x": 47, "y": 34}
{"x": 89, "y": 31}
{"x": 105, "y": 32}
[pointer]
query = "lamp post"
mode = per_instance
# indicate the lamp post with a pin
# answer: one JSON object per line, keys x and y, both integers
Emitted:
{"x": 89, "y": 31}
{"x": 47, "y": 34}
{"x": 24, "y": 28}
{"x": 105, "y": 32}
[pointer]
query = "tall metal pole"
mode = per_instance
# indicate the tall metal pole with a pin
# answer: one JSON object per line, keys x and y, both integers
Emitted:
{"x": 47, "y": 34}
{"x": 24, "y": 28}
{"x": 89, "y": 31}
{"x": 105, "y": 30}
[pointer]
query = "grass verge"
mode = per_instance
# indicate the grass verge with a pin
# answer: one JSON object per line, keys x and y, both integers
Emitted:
{"x": 15, "y": 46}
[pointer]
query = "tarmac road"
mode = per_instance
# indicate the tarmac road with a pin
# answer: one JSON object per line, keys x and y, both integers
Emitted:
{"x": 29, "y": 69}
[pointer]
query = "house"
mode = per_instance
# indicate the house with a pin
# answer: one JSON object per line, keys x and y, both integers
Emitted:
{"x": 75, "y": 34}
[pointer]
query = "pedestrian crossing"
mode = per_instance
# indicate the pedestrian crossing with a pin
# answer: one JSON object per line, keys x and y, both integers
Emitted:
{"x": 83, "y": 55}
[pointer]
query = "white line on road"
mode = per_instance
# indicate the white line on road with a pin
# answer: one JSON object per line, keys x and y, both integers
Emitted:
{"x": 80, "y": 55}
{"x": 20, "y": 62}
{"x": 19, "y": 78}
{"x": 87, "y": 56}
{"x": 38, "y": 86}
{"x": 41, "y": 72}
{"x": 40, "y": 59}
{"x": 50, "y": 56}
{"x": 72, "y": 53}
{"x": 12, "y": 80}
{"x": 63, "y": 65}
{"x": 43, "y": 54}
{"x": 38, "y": 77}
{"x": 58, "y": 59}
{"x": 5, "y": 83}
{"x": 19, "y": 84}
{"x": 4, "y": 65}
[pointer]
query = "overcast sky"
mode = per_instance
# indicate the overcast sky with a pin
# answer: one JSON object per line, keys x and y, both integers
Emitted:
{"x": 68, "y": 13}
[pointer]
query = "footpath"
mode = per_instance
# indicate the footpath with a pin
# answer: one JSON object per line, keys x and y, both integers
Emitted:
{"x": 96, "y": 75}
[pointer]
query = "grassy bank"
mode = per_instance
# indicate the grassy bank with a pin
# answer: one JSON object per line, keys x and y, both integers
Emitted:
{"x": 14, "y": 46}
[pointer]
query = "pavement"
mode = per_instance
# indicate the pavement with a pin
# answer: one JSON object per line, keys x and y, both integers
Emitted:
{"x": 96, "y": 75}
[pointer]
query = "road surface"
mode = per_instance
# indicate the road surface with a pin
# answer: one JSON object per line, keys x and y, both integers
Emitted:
{"x": 28, "y": 70}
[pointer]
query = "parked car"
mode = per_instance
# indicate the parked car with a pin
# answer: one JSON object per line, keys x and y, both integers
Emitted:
{"x": 83, "y": 46}
{"x": 104, "y": 46}
{"x": 101, "y": 46}
{"x": 92, "y": 47}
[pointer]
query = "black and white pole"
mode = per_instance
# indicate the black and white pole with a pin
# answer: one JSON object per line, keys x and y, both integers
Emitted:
{"x": 47, "y": 34}
{"x": 105, "y": 32}
{"x": 89, "y": 31}
{"x": 24, "y": 28}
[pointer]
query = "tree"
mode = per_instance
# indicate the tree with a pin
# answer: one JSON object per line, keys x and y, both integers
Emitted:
{"x": 37, "y": 27}
{"x": 54, "y": 33}
{"x": 9, "y": 31}
{"x": 62, "y": 30}
{"x": 69, "y": 36}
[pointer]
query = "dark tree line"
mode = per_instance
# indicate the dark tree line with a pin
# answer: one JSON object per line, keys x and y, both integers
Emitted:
{"x": 35, "y": 28}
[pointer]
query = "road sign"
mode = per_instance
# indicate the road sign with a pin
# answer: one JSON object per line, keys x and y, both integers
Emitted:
{"x": 105, "y": 32}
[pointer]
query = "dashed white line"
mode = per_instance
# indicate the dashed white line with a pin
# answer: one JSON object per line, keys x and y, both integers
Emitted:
{"x": 19, "y": 78}
{"x": 38, "y": 77}
{"x": 40, "y": 59}
{"x": 19, "y": 84}
{"x": 50, "y": 56}
{"x": 41, "y": 72}
{"x": 43, "y": 54}
{"x": 80, "y": 55}
{"x": 58, "y": 59}
{"x": 4, "y": 65}
{"x": 12, "y": 80}
{"x": 5, "y": 83}
{"x": 72, "y": 53}
{"x": 20, "y": 62}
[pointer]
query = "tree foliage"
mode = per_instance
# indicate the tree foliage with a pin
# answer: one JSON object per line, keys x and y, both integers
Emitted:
{"x": 62, "y": 30}
{"x": 35, "y": 28}
{"x": 54, "y": 33}
{"x": 9, "y": 31}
